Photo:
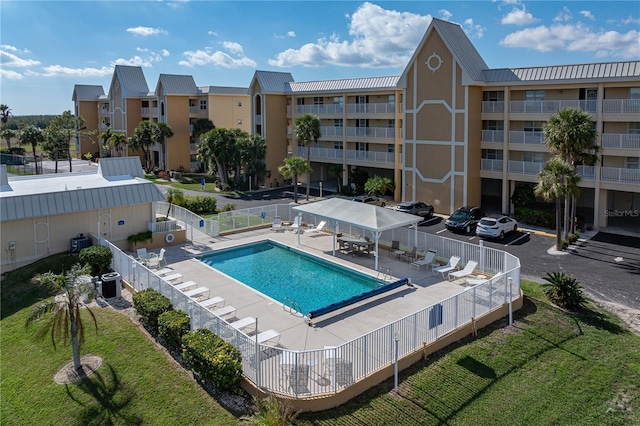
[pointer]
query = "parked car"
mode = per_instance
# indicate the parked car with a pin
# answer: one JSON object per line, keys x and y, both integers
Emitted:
{"x": 416, "y": 207}
{"x": 496, "y": 226}
{"x": 464, "y": 219}
{"x": 370, "y": 199}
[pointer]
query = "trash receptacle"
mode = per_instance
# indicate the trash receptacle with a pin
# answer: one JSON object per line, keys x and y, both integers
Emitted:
{"x": 111, "y": 285}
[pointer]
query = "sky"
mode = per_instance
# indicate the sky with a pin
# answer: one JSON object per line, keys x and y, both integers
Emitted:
{"x": 46, "y": 47}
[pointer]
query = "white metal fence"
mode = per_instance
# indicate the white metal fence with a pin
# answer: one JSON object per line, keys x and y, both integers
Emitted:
{"x": 330, "y": 369}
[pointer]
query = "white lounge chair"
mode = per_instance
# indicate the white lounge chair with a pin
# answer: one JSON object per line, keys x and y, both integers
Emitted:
{"x": 468, "y": 270}
{"x": 197, "y": 292}
{"x": 427, "y": 260}
{"x": 243, "y": 323}
{"x": 295, "y": 226}
{"x": 477, "y": 281}
{"x": 452, "y": 265}
{"x": 227, "y": 310}
{"x": 277, "y": 224}
{"x": 318, "y": 228}
{"x": 155, "y": 260}
{"x": 164, "y": 271}
{"x": 172, "y": 277}
{"x": 185, "y": 285}
{"x": 212, "y": 302}
{"x": 268, "y": 335}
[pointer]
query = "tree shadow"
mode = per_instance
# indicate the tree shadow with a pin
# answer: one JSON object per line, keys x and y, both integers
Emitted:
{"x": 476, "y": 367}
{"x": 108, "y": 399}
{"x": 598, "y": 320}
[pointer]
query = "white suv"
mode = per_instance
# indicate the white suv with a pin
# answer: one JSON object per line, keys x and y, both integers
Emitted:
{"x": 496, "y": 226}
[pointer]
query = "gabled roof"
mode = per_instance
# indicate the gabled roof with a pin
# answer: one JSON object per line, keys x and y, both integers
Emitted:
{"x": 220, "y": 90}
{"x": 460, "y": 47}
{"x": 52, "y": 194}
{"x": 132, "y": 81}
{"x": 351, "y": 84}
{"x": 85, "y": 92}
{"x": 177, "y": 84}
{"x": 560, "y": 73}
{"x": 272, "y": 81}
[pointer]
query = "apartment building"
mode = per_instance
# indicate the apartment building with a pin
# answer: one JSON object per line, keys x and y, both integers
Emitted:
{"x": 452, "y": 132}
{"x": 176, "y": 100}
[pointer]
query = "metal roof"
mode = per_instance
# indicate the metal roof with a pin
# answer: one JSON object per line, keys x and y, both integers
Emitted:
{"x": 600, "y": 71}
{"x": 86, "y": 92}
{"x": 222, "y": 90}
{"x": 461, "y": 48}
{"x": 363, "y": 83}
{"x": 173, "y": 84}
{"x": 272, "y": 81}
{"x": 132, "y": 81}
{"x": 120, "y": 166}
{"x": 52, "y": 194}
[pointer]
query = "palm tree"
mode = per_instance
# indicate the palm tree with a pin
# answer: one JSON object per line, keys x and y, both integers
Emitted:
{"x": 570, "y": 135}
{"x": 173, "y": 195}
{"x": 142, "y": 140}
{"x": 379, "y": 185}
{"x": 117, "y": 141}
{"x": 162, "y": 132}
{"x": 65, "y": 321}
{"x": 557, "y": 180}
{"x": 69, "y": 125}
{"x": 253, "y": 151}
{"x": 5, "y": 112}
{"x": 32, "y": 135}
{"x": 7, "y": 134}
{"x": 221, "y": 146}
{"x": 337, "y": 170}
{"x": 308, "y": 130}
{"x": 291, "y": 169}
{"x": 104, "y": 137}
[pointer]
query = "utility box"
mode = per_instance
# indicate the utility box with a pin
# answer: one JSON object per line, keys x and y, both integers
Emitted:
{"x": 111, "y": 286}
{"x": 79, "y": 243}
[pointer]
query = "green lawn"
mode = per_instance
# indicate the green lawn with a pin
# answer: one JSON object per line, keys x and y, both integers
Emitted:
{"x": 550, "y": 368}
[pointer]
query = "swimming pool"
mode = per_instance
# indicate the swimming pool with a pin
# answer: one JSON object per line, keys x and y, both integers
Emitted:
{"x": 281, "y": 272}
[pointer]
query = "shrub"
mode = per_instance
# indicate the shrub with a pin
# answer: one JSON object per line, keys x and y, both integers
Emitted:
{"x": 228, "y": 207}
{"x": 573, "y": 237}
{"x": 150, "y": 304}
{"x": 99, "y": 257}
{"x": 139, "y": 237}
{"x": 536, "y": 217}
{"x": 212, "y": 358}
{"x": 199, "y": 203}
{"x": 564, "y": 291}
{"x": 272, "y": 411}
{"x": 564, "y": 243}
{"x": 172, "y": 325}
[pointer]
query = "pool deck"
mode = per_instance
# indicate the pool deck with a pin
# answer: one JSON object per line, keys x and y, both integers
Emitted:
{"x": 329, "y": 329}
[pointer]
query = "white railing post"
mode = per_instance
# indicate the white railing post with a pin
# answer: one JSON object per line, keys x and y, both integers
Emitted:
{"x": 509, "y": 281}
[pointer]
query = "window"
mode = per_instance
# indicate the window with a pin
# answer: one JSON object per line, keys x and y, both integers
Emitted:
{"x": 532, "y": 126}
{"x": 337, "y": 145}
{"x": 299, "y": 101}
{"x": 338, "y": 100}
{"x": 391, "y": 148}
{"x": 533, "y": 157}
{"x": 493, "y": 154}
{"x": 391, "y": 124}
{"x": 338, "y": 122}
{"x": 534, "y": 95}
{"x": 392, "y": 99}
{"x": 634, "y": 128}
{"x": 492, "y": 125}
{"x": 239, "y": 103}
{"x": 493, "y": 96}
{"x": 632, "y": 163}
{"x": 318, "y": 100}
{"x": 362, "y": 146}
{"x": 362, "y": 122}
{"x": 203, "y": 104}
{"x": 634, "y": 93}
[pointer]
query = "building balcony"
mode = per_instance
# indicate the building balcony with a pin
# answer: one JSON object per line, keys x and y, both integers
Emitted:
{"x": 103, "y": 112}
{"x": 526, "y": 137}
{"x": 493, "y": 107}
{"x": 381, "y": 108}
{"x": 103, "y": 126}
{"x": 621, "y": 106}
{"x": 329, "y": 131}
{"x": 193, "y": 109}
{"x": 493, "y": 136}
{"x": 490, "y": 165}
{"x": 620, "y": 141}
{"x": 615, "y": 174}
{"x": 551, "y": 107}
{"x": 352, "y": 155}
{"x": 193, "y": 147}
{"x": 525, "y": 167}
{"x": 587, "y": 172}
{"x": 148, "y": 112}
{"x": 371, "y": 132}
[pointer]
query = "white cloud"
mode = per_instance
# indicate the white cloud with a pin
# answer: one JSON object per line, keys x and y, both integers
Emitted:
{"x": 212, "y": 33}
{"x": 518, "y": 17}
{"x": 8, "y": 59}
{"x": 232, "y": 47}
{"x": 146, "y": 31}
{"x": 472, "y": 30}
{"x": 218, "y": 58}
{"x": 631, "y": 20}
{"x": 563, "y": 16}
{"x": 291, "y": 33}
{"x": 136, "y": 61}
{"x": 379, "y": 38}
{"x": 10, "y": 74}
{"x": 164, "y": 52}
{"x": 60, "y": 71}
{"x": 587, "y": 14}
{"x": 576, "y": 38}
{"x": 8, "y": 47}
{"x": 445, "y": 14}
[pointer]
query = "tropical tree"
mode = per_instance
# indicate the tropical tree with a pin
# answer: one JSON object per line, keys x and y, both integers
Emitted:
{"x": 69, "y": 125}
{"x": 104, "y": 138}
{"x": 570, "y": 135}
{"x": 5, "y": 112}
{"x": 337, "y": 170}
{"x": 117, "y": 142}
{"x": 379, "y": 185}
{"x": 291, "y": 169}
{"x": 221, "y": 147}
{"x": 55, "y": 144}
{"x": 202, "y": 126}
{"x": 7, "y": 135}
{"x": 64, "y": 318}
{"x": 162, "y": 132}
{"x": 173, "y": 195}
{"x": 253, "y": 152}
{"x": 564, "y": 290}
{"x": 557, "y": 180}
{"x": 32, "y": 135}
{"x": 142, "y": 140}
{"x": 307, "y": 130}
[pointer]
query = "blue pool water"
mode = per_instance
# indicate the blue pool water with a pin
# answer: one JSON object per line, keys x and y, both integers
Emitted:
{"x": 281, "y": 272}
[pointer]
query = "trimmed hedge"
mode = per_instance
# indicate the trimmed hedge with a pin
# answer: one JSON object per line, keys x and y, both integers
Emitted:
{"x": 99, "y": 257}
{"x": 212, "y": 358}
{"x": 172, "y": 326}
{"x": 199, "y": 203}
{"x": 150, "y": 304}
{"x": 536, "y": 217}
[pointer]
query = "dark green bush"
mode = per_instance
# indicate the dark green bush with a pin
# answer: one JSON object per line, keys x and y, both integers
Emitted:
{"x": 573, "y": 237}
{"x": 536, "y": 217}
{"x": 172, "y": 325}
{"x": 99, "y": 257}
{"x": 139, "y": 237}
{"x": 212, "y": 358}
{"x": 564, "y": 291}
{"x": 228, "y": 207}
{"x": 150, "y": 304}
{"x": 199, "y": 203}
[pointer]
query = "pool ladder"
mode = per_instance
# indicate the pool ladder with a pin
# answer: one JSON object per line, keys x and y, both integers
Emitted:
{"x": 385, "y": 274}
{"x": 291, "y": 306}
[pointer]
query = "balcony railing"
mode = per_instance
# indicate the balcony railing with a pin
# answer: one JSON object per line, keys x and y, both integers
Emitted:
{"x": 493, "y": 136}
{"x": 103, "y": 126}
{"x": 103, "y": 111}
{"x": 164, "y": 226}
{"x": 492, "y": 165}
{"x": 193, "y": 147}
{"x": 352, "y": 155}
{"x": 371, "y": 108}
{"x": 146, "y": 111}
{"x": 551, "y": 107}
{"x": 492, "y": 107}
{"x": 371, "y": 132}
{"x": 621, "y": 106}
{"x": 316, "y": 153}
{"x": 623, "y": 141}
{"x": 525, "y": 167}
{"x": 381, "y": 108}
{"x": 193, "y": 109}
{"x": 587, "y": 172}
{"x": 615, "y": 174}
{"x": 527, "y": 137}
{"x": 331, "y": 130}
{"x": 195, "y": 165}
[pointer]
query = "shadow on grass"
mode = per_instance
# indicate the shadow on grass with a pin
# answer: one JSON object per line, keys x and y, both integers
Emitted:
{"x": 108, "y": 399}
{"x": 598, "y": 320}
{"x": 476, "y": 367}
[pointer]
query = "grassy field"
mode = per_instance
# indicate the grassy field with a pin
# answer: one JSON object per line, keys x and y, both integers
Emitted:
{"x": 550, "y": 368}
